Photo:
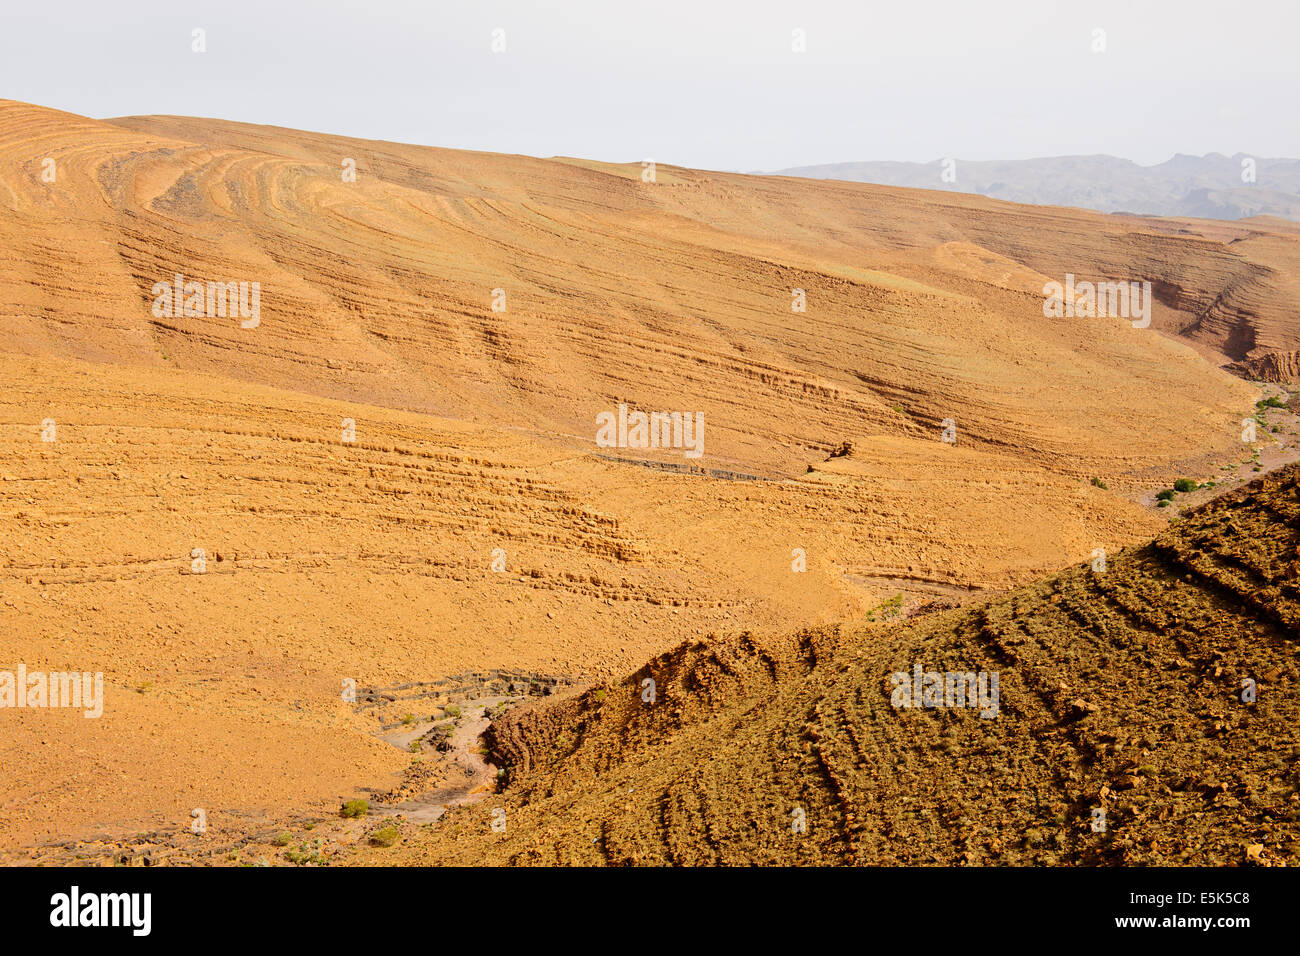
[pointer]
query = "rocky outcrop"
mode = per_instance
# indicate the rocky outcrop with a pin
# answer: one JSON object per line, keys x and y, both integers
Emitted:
{"x": 1270, "y": 367}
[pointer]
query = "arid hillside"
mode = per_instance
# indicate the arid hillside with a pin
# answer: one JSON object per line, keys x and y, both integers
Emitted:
{"x": 382, "y": 479}
{"x": 675, "y": 294}
{"x": 424, "y": 548}
{"x": 1146, "y": 713}
{"x": 1226, "y": 286}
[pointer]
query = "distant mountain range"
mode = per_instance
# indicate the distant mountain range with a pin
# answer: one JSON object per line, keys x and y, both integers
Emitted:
{"x": 1208, "y": 187}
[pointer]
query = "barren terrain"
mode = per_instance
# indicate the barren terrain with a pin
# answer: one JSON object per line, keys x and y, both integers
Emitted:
{"x": 388, "y": 484}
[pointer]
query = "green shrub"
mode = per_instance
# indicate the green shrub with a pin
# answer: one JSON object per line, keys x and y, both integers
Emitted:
{"x": 1162, "y": 503}
{"x": 385, "y": 836}
{"x": 355, "y": 808}
{"x": 1165, "y": 495}
{"x": 891, "y": 608}
{"x": 306, "y": 853}
{"x": 284, "y": 839}
{"x": 1185, "y": 485}
{"x": 1097, "y": 482}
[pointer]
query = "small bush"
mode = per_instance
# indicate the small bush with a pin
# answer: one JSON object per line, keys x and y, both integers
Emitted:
{"x": 284, "y": 839}
{"x": 306, "y": 853}
{"x": 1272, "y": 402}
{"x": 452, "y": 710}
{"x": 355, "y": 808}
{"x": 1162, "y": 503}
{"x": 1185, "y": 485}
{"x": 1165, "y": 495}
{"x": 891, "y": 608}
{"x": 385, "y": 836}
{"x": 1098, "y": 483}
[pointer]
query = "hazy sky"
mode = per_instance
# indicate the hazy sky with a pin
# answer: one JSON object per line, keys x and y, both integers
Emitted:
{"x": 705, "y": 83}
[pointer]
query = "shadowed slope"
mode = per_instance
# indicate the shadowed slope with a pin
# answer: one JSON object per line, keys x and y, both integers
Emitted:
{"x": 1120, "y": 691}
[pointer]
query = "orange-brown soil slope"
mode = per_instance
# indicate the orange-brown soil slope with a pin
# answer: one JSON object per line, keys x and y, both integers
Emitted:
{"x": 372, "y": 559}
{"x": 1147, "y": 714}
{"x": 1229, "y": 287}
{"x": 670, "y": 295}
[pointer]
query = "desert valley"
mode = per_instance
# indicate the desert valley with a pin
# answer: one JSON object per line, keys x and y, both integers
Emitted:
{"x": 380, "y": 566}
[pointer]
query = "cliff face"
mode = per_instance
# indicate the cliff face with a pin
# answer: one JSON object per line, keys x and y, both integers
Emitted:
{"x": 1271, "y": 367}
